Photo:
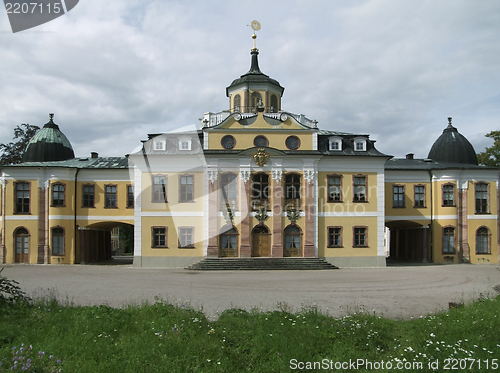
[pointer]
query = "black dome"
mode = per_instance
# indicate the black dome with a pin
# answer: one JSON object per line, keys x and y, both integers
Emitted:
{"x": 453, "y": 147}
{"x": 48, "y": 144}
{"x": 254, "y": 75}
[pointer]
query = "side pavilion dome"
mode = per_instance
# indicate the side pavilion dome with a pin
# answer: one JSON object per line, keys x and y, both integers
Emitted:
{"x": 48, "y": 144}
{"x": 452, "y": 147}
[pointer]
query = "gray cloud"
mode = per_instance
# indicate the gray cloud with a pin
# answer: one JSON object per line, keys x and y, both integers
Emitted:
{"x": 114, "y": 71}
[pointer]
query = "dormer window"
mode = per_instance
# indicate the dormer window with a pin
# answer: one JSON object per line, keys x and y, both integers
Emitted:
{"x": 335, "y": 143}
{"x": 360, "y": 144}
{"x": 160, "y": 145}
{"x": 184, "y": 143}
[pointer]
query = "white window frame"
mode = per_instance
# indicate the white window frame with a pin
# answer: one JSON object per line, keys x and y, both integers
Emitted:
{"x": 159, "y": 145}
{"x": 184, "y": 140}
{"x": 358, "y": 141}
{"x": 335, "y": 141}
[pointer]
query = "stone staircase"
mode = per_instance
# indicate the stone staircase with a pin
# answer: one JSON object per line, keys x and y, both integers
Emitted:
{"x": 260, "y": 264}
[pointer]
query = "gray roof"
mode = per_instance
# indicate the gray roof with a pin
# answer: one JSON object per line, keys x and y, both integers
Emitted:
{"x": 429, "y": 164}
{"x": 87, "y": 163}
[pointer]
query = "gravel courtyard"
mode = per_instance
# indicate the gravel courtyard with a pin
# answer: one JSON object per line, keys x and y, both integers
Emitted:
{"x": 394, "y": 292}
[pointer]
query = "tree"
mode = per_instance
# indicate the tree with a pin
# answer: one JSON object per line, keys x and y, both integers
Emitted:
{"x": 12, "y": 153}
{"x": 491, "y": 156}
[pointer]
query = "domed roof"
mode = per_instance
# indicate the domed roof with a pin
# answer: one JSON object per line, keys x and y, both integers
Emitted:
{"x": 48, "y": 144}
{"x": 453, "y": 147}
{"x": 254, "y": 75}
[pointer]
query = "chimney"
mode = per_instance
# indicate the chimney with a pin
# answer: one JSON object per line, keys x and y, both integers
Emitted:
{"x": 409, "y": 156}
{"x": 94, "y": 155}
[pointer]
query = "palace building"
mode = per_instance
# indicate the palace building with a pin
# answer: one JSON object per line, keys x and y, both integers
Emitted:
{"x": 252, "y": 181}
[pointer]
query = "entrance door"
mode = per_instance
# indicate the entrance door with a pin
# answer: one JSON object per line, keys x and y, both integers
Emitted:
{"x": 260, "y": 238}
{"x": 22, "y": 245}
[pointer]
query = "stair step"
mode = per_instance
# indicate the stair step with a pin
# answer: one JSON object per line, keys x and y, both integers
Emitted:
{"x": 241, "y": 264}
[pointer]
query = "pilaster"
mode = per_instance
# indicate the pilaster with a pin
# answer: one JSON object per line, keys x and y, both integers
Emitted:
{"x": 213, "y": 248}
{"x": 277, "y": 188}
{"x": 309, "y": 248}
{"x": 245, "y": 248}
{"x": 463, "y": 240}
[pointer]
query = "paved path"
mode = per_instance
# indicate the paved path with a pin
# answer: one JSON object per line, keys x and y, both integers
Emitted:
{"x": 394, "y": 292}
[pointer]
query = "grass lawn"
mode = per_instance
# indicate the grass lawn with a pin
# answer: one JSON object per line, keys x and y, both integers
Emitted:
{"x": 161, "y": 337}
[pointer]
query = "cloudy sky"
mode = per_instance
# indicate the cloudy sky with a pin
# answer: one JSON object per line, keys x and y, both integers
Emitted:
{"x": 113, "y": 71}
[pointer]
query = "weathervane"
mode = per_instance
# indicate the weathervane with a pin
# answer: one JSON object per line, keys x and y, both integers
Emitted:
{"x": 256, "y": 27}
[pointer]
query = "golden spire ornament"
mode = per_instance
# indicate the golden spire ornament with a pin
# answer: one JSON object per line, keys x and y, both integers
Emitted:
{"x": 256, "y": 27}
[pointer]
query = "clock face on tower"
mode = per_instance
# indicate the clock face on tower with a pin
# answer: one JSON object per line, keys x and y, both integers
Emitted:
{"x": 292, "y": 142}
{"x": 228, "y": 142}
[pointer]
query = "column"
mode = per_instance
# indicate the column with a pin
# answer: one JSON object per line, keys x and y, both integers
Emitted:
{"x": 277, "y": 228}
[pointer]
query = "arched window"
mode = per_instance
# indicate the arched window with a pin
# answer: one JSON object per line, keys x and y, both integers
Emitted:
{"x": 228, "y": 242}
{"x": 22, "y": 245}
{"x": 292, "y": 241}
{"x": 254, "y": 100}
{"x": 237, "y": 103}
{"x": 482, "y": 241}
{"x": 274, "y": 104}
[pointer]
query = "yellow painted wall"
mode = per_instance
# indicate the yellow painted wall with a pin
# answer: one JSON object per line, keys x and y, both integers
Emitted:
{"x": 347, "y": 224}
{"x": 244, "y": 135}
{"x": 172, "y": 236}
{"x": 173, "y": 203}
{"x": 347, "y": 205}
{"x": 30, "y": 224}
{"x": 409, "y": 208}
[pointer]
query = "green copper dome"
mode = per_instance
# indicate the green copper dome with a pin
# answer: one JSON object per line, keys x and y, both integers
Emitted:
{"x": 452, "y": 147}
{"x": 48, "y": 144}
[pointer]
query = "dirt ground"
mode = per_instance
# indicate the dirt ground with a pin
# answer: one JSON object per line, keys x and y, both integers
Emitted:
{"x": 393, "y": 292}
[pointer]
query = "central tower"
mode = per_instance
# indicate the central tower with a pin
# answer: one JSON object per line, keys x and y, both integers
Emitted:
{"x": 246, "y": 92}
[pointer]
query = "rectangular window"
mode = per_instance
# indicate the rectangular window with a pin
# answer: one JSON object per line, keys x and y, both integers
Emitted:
{"x": 110, "y": 196}
{"x": 334, "y": 188}
{"x": 419, "y": 196}
{"x": 186, "y": 238}
{"x": 398, "y": 196}
{"x": 260, "y": 186}
{"x": 449, "y": 240}
{"x": 360, "y": 238}
{"x": 159, "y": 238}
{"x": 229, "y": 185}
{"x": 130, "y": 196}
{"x": 58, "y": 195}
{"x": 448, "y": 195}
{"x": 22, "y": 198}
{"x": 159, "y": 188}
{"x": 292, "y": 186}
{"x": 57, "y": 241}
{"x": 88, "y": 195}
{"x": 481, "y": 198}
{"x": 334, "y": 236}
{"x": 186, "y": 188}
{"x": 359, "y": 188}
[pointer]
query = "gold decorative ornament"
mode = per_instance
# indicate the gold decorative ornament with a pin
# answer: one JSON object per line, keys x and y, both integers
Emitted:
{"x": 261, "y": 157}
